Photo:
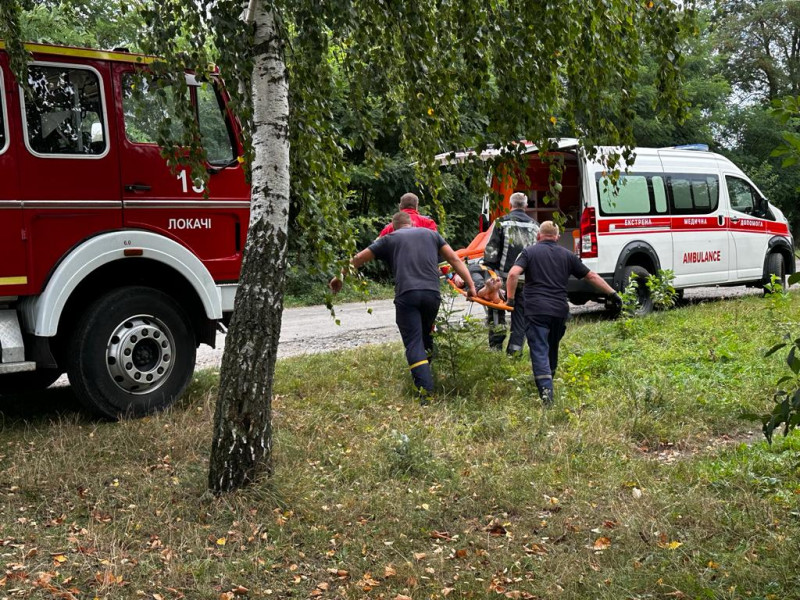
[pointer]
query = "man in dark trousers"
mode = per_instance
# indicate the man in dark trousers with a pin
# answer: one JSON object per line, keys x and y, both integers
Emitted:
{"x": 511, "y": 233}
{"x": 547, "y": 267}
{"x": 409, "y": 203}
{"x": 413, "y": 255}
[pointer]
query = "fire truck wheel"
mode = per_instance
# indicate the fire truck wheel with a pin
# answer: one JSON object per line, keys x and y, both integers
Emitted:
{"x": 132, "y": 353}
{"x": 777, "y": 267}
{"x": 644, "y": 299}
{"x": 30, "y": 381}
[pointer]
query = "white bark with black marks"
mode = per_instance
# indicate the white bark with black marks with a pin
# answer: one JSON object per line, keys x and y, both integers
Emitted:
{"x": 242, "y": 445}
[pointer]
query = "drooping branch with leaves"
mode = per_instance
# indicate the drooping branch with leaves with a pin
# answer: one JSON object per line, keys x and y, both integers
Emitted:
{"x": 445, "y": 75}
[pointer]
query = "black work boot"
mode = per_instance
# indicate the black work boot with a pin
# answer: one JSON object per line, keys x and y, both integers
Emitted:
{"x": 546, "y": 394}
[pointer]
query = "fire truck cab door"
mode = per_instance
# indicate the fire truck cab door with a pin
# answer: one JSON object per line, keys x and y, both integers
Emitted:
{"x": 67, "y": 159}
{"x": 13, "y": 267}
{"x": 170, "y": 203}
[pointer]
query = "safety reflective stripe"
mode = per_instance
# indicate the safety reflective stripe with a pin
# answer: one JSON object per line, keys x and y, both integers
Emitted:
{"x": 22, "y": 280}
{"x": 543, "y": 377}
{"x": 87, "y": 53}
{"x": 417, "y": 364}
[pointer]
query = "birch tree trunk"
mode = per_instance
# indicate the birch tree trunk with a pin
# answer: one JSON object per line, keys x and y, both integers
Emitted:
{"x": 242, "y": 444}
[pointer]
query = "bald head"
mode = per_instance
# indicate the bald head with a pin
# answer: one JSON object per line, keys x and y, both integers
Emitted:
{"x": 400, "y": 220}
{"x": 548, "y": 231}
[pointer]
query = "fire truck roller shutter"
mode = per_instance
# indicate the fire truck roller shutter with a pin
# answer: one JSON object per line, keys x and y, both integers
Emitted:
{"x": 41, "y": 314}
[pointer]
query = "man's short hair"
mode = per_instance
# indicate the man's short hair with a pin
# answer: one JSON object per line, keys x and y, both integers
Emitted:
{"x": 409, "y": 200}
{"x": 518, "y": 200}
{"x": 548, "y": 229}
{"x": 400, "y": 219}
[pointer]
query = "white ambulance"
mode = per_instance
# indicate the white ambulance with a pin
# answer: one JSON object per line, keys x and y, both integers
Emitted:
{"x": 684, "y": 209}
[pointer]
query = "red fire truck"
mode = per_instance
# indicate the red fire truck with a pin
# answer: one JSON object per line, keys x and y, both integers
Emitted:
{"x": 113, "y": 268}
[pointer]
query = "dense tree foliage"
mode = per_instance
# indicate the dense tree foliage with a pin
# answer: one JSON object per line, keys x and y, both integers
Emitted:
{"x": 375, "y": 89}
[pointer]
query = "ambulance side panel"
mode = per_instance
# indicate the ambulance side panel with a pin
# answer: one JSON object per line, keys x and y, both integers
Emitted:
{"x": 633, "y": 225}
{"x": 702, "y": 250}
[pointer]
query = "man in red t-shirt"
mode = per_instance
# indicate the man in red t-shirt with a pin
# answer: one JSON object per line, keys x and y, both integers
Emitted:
{"x": 408, "y": 204}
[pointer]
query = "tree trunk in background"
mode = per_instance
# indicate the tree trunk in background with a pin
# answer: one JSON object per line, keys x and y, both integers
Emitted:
{"x": 242, "y": 444}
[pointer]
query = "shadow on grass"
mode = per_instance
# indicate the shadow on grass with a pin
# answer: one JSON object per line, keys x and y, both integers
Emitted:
{"x": 42, "y": 406}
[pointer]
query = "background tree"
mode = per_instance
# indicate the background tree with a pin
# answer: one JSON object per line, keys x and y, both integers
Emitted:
{"x": 445, "y": 75}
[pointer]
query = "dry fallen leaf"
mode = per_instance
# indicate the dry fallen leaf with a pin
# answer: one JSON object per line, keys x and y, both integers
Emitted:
{"x": 602, "y": 543}
{"x": 419, "y": 555}
{"x": 389, "y": 571}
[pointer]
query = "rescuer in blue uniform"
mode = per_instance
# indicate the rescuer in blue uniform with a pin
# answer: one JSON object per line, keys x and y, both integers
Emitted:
{"x": 547, "y": 267}
{"x": 413, "y": 255}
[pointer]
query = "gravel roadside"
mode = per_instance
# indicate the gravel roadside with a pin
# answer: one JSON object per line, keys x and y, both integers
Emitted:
{"x": 312, "y": 329}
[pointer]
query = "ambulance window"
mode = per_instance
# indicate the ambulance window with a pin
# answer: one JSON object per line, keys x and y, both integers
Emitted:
{"x": 147, "y": 106}
{"x": 659, "y": 194}
{"x": 741, "y": 195}
{"x": 694, "y": 194}
{"x": 631, "y": 197}
{"x": 214, "y": 127}
{"x": 64, "y": 114}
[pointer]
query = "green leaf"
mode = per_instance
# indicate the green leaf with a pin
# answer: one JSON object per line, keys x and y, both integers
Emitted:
{"x": 774, "y": 349}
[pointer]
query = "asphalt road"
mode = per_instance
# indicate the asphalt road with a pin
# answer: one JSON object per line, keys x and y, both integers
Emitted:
{"x": 312, "y": 329}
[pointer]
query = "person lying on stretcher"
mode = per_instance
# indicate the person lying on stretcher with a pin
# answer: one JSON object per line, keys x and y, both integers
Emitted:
{"x": 490, "y": 290}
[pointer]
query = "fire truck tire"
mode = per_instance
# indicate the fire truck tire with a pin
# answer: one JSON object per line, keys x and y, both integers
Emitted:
{"x": 132, "y": 353}
{"x": 31, "y": 381}
{"x": 645, "y": 301}
{"x": 776, "y": 266}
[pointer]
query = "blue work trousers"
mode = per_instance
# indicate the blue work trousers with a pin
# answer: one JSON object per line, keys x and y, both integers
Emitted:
{"x": 544, "y": 334}
{"x": 415, "y": 312}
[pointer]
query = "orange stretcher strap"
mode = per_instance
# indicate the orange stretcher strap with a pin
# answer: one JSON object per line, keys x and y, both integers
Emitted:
{"x": 480, "y": 300}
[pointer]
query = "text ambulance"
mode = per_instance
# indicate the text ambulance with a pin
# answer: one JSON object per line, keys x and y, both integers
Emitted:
{"x": 687, "y": 210}
{"x": 114, "y": 269}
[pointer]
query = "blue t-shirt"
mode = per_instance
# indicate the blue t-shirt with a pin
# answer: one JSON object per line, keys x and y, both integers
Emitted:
{"x": 547, "y": 269}
{"x": 413, "y": 256}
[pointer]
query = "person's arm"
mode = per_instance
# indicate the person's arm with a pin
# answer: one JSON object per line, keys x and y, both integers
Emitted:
{"x": 356, "y": 262}
{"x": 599, "y": 283}
{"x": 511, "y": 283}
{"x": 447, "y": 253}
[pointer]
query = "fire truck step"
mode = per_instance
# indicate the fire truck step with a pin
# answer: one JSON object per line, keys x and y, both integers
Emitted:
{"x": 17, "y": 367}
{"x": 11, "y": 345}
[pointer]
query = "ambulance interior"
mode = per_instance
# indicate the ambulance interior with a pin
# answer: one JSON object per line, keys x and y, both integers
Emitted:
{"x": 563, "y": 208}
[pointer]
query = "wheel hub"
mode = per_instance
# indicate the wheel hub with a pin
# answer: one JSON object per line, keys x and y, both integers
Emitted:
{"x": 139, "y": 354}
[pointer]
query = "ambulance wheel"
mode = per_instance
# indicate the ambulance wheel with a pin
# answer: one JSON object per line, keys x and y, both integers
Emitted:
{"x": 644, "y": 300}
{"x": 777, "y": 267}
{"x": 29, "y": 381}
{"x": 132, "y": 353}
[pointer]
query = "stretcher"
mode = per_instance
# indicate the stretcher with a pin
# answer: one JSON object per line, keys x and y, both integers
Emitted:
{"x": 496, "y": 305}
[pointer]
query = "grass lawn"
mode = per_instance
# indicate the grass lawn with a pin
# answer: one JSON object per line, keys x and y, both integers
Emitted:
{"x": 641, "y": 481}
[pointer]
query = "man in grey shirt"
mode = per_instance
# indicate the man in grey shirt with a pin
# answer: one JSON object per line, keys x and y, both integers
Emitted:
{"x": 413, "y": 254}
